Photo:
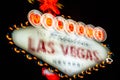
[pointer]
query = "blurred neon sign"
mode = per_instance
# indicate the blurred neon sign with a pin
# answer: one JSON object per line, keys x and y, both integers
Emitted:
{"x": 62, "y": 43}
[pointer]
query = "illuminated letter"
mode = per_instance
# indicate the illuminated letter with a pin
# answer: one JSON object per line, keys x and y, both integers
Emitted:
{"x": 60, "y": 23}
{"x": 70, "y": 26}
{"x": 100, "y": 34}
{"x": 64, "y": 49}
{"x": 80, "y": 53}
{"x": 30, "y": 45}
{"x": 73, "y": 51}
{"x": 34, "y": 17}
{"x": 95, "y": 53}
{"x": 50, "y": 45}
{"x": 41, "y": 46}
{"x": 89, "y": 31}
{"x": 47, "y": 20}
{"x": 80, "y": 29}
{"x": 88, "y": 54}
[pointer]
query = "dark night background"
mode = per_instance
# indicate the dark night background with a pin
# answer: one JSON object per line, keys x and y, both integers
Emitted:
{"x": 98, "y": 12}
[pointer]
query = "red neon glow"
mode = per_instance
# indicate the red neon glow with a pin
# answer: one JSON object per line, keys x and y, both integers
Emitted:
{"x": 60, "y": 24}
{"x": 49, "y": 21}
{"x": 100, "y": 34}
{"x": 49, "y": 6}
{"x": 49, "y": 75}
{"x": 35, "y": 18}
{"x": 80, "y": 30}
{"x": 71, "y": 27}
{"x": 89, "y": 31}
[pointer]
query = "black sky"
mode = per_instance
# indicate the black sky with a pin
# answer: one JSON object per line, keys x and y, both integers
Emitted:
{"x": 97, "y": 12}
